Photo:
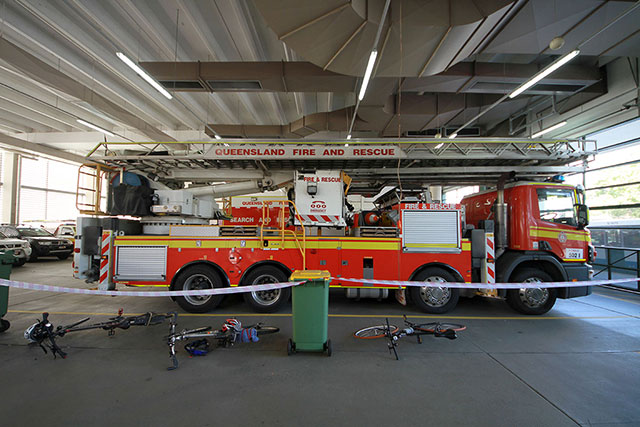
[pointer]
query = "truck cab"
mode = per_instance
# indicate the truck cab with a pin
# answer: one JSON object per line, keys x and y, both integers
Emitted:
{"x": 545, "y": 240}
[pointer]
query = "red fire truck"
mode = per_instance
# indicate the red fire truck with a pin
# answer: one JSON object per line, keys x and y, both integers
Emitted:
{"x": 539, "y": 230}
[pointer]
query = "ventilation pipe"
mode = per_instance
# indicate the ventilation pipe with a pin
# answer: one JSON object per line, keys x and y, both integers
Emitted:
{"x": 226, "y": 190}
{"x": 501, "y": 216}
{"x": 271, "y": 182}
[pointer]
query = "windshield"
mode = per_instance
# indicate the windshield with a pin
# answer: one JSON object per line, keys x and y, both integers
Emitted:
{"x": 557, "y": 205}
{"x": 34, "y": 232}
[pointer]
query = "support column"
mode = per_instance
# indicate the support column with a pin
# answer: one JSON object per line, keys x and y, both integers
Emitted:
{"x": 10, "y": 186}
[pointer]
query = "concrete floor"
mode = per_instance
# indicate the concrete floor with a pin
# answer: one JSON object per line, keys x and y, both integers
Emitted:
{"x": 577, "y": 365}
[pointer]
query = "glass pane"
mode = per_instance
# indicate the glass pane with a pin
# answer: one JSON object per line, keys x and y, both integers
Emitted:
{"x": 61, "y": 207}
{"x": 32, "y": 205}
{"x": 557, "y": 206}
{"x": 616, "y": 175}
{"x": 62, "y": 176}
{"x": 33, "y": 173}
{"x": 628, "y": 194}
{"x": 612, "y": 214}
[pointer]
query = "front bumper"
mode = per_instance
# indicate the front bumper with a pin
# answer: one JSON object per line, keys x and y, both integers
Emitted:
{"x": 578, "y": 273}
{"x": 53, "y": 250}
{"x": 20, "y": 252}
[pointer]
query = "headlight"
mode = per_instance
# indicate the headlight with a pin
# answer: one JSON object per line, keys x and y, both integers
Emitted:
{"x": 25, "y": 245}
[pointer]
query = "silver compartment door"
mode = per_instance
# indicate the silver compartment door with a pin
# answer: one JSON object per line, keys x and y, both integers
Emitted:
{"x": 431, "y": 231}
{"x": 145, "y": 263}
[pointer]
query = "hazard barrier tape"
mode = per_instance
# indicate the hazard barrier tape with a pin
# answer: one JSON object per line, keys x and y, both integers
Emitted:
{"x": 215, "y": 291}
{"x": 272, "y": 286}
{"x": 401, "y": 284}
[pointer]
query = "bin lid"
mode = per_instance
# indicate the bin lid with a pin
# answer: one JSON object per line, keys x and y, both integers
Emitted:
{"x": 310, "y": 274}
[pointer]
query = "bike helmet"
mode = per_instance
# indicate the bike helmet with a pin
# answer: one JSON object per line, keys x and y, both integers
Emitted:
{"x": 33, "y": 333}
{"x": 231, "y": 324}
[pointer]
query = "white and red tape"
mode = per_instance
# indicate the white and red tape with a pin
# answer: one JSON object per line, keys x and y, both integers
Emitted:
{"x": 271, "y": 286}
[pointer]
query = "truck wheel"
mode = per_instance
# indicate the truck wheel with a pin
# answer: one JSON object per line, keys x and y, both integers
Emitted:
{"x": 20, "y": 262}
{"x": 194, "y": 278}
{"x": 434, "y": 300}
{"x": 531, "y": 300}
{"x": 271, "y": 300}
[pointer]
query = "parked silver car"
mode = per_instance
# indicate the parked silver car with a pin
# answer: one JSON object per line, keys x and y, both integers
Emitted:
{"x": 21, "y": 248}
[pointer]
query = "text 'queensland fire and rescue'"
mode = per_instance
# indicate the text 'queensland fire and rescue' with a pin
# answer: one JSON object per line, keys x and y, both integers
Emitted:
{"x": 309, "y": 152}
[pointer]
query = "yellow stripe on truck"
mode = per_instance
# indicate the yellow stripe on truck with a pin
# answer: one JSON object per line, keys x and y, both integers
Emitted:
{"x": 556, "y": 235}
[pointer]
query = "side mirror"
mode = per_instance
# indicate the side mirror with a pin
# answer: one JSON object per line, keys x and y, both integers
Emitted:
{"x": 583, "y": 216}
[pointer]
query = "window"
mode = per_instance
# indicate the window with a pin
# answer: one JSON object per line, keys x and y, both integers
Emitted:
{"x": 47, "y": 191}
{"x": 557, "y": 206}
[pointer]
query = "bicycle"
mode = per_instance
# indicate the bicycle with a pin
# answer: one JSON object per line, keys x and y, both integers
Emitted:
{"x": 393, "y": 333}
{"x": 44, "y": 330}
{"x": 230, "y": 333}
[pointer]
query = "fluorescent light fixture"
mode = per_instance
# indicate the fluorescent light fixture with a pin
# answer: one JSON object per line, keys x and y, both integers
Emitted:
{"x": 545, "y": 72}
{"x": 439, "y": 145}
{"x": 124, "y": 58}
{"x": 216, "y": 136}
{"x": 452, "y": 136}
{"x": 98, "y": 128}
{"x": 349, "y": 136}
{"x": 346, "y": 145}
{"x": 367, "y": 74}
{"x": 543, "y": 131}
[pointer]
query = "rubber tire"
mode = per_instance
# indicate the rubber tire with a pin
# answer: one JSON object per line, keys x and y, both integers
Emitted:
{"x": 266, "y": 330}
{"x": 430, "y": 327}
{"x": 392, "y": 328}
{"x": 421, "y": 304}
{"x": 4, "y": 325}
{"x": 20, "y": 262}
{"x": 62, "y": 257}
{"x": 33, "y": 257}
{"x": 328, "y": 348}
{"x": 291, "y": 347}
{"x": 513, "y": 296}
{"x": 213, "y": 277}
{"x": 279, "y": 276}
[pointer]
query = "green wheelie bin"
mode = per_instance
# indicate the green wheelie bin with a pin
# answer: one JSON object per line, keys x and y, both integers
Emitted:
{"x": 6, "y": 262}
{"x": 310, "y": 307}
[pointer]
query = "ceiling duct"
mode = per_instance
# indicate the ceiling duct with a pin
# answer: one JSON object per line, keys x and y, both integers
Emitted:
{"x": 268, "y": 76}
{"x": 333, "y": 121}
{"x": 337, "y": 35}
{"x": 468, "y": 131}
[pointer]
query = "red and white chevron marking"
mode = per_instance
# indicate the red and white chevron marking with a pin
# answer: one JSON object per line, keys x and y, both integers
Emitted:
{"x": 491, "y": 258}
{"x": 327, "y": 219}
{"x": 105, "y": 252}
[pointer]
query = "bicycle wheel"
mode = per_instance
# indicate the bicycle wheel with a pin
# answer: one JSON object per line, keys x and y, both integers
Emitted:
{"x": 439, "y": 326}
{"x": 372, "y": 332}
{"x": 264, "y": 330}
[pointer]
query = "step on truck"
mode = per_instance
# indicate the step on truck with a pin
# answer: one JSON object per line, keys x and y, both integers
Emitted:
{"x": 181, "y": 240}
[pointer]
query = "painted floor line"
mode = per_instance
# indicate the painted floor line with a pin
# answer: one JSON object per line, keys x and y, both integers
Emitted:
{"x": 391, "y": 316}
{"x": 618, "y": 299}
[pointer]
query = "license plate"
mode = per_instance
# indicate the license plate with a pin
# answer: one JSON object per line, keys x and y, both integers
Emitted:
{"x": 571, "y": 253}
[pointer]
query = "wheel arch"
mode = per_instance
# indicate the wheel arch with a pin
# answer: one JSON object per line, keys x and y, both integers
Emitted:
{"x": 443, "y": 266}
{"x": 286, "y": 270}
{"x": 509, "y": 263}
{"x": 206, "y": 263}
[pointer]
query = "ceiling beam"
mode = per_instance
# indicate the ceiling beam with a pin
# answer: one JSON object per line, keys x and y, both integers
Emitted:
{"x": 47, "y": 75}
{"x": 11, "y": 143}
{"x": 38, "y": 107}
